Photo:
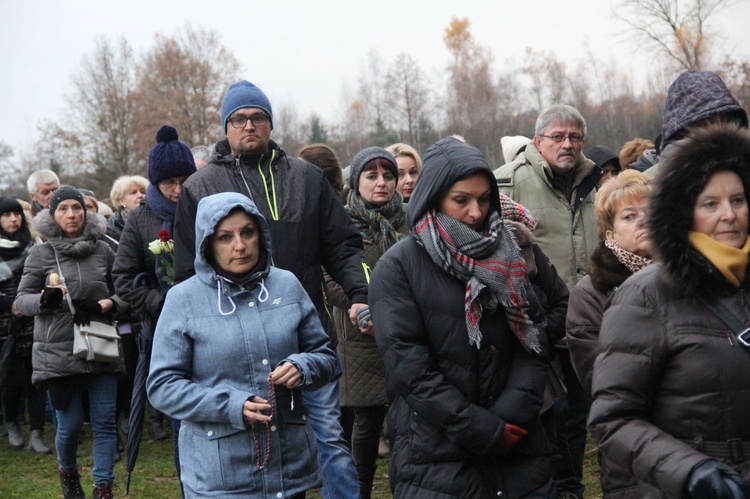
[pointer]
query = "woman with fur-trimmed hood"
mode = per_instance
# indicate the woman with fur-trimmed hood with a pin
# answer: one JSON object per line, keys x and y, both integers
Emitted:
{"x": 670, "y": 385}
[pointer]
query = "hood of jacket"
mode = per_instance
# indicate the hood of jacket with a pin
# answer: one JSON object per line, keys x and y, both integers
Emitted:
{"x": 94, "y": 226}
{"x": 211, "y": 210}
{"x": 696, "y": 95}
{"x": 683, "y": 174}
{"x": 444, "y": 163}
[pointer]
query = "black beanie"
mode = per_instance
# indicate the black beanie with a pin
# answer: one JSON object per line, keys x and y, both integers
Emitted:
{"x": 169, "y": 157}
{"x": 10, "y": 205}
{"x": 63, "y": 193}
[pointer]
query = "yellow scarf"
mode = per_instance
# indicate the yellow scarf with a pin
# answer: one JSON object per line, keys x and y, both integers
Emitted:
{"x": 731, "y": 262}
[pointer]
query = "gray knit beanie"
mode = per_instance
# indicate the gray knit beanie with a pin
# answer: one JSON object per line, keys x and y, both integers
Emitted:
{"x": 365, "y": 156}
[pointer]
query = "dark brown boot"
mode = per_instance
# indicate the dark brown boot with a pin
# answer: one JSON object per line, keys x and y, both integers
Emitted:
{"x": 71, "y": 485}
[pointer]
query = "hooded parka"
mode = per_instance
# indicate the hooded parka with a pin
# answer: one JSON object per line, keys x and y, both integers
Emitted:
{"x": 449, "y": 400}
{"x": 86, "y": 264}
{"x": 670, "y": 383}
{"x": 215, "y": 344}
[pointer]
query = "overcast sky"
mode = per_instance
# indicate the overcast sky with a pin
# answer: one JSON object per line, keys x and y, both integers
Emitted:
{"x": 300, "y": 51}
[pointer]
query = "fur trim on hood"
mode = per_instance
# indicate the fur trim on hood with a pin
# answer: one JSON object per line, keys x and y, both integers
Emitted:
{"x": 94, "y": 226}
{"x": 683, "y": 175}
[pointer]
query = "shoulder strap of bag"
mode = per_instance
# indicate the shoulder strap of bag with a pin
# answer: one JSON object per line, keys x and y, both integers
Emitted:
{"x": 62, "y": 279}
{"x": 727, "y": 317}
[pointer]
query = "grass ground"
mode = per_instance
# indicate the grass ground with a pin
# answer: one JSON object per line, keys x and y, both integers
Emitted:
{"x": 23, "y": 474}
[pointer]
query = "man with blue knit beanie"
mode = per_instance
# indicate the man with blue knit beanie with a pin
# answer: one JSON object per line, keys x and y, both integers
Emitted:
{"x": 310, "y": 230}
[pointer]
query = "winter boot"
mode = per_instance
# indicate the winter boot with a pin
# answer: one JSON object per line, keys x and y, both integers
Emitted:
{"x": 71, "y": 485}
{"x": 15, "y": 436}
{"x": 36, "y": 444}
{"x": 103, "y": 491}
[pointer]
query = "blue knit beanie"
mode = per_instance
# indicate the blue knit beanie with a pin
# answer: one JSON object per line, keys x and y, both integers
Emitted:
{"x": 244, "y": 94}
{"x": 169, "y": 157}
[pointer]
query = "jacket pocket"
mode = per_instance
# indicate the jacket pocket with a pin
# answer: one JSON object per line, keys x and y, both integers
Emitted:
{"x": 216, "y": 456}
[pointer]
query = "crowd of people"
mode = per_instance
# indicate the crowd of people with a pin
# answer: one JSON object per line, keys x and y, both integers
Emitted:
{"x": 287, "y": 312}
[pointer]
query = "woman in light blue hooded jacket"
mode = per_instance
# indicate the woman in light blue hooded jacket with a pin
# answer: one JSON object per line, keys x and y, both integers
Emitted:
{"x": 232, "y": 349}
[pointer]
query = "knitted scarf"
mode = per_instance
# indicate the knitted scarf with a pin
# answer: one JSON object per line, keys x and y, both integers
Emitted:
{"x": 163, "y": 208}
{"x": 12, "y": 257}
{"x": 377, "y": 226}
{"x": 633, "y": 262}
{"x": 491, "y": 267}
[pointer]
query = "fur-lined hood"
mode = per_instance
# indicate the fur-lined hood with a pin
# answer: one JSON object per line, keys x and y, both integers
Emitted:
{"x": 94, "y": 226}
{"x": 683, "y": 174}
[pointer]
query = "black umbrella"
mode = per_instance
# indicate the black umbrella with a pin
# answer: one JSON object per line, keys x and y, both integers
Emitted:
{"x": 138, "y": 400}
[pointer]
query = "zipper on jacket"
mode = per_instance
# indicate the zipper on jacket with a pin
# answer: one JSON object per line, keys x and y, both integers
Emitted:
{"x": 367, "y": 270}
{"x": 272, "y": 206}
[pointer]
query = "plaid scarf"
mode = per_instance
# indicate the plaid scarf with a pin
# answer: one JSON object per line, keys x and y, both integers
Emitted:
{"x": 377, "y": 226}
{"x": 490, "y": 265}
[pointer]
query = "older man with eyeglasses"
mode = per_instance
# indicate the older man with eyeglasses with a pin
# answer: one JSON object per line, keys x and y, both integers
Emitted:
{"x": 557, "y": 183}
{"x": 310, "y": 230}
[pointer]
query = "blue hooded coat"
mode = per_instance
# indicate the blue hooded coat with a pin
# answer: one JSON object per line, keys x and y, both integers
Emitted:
{"x": 215, "y": 344}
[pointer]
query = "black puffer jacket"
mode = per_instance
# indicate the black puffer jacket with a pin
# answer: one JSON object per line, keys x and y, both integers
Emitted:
{"x": 670, "y": 385}
{"x": 134, "y": 257}
{"x": 449, "y": 400}
{"x": 309, "y": 226}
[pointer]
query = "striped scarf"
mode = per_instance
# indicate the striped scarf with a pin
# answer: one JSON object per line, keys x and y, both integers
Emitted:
{"x": 491, "y": 266}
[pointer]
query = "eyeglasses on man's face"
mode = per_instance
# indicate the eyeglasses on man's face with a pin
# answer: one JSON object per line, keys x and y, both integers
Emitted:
{"x": 575, "y": 138}
{"x": 240, "y": 120}
{"x": 173, "y": 182}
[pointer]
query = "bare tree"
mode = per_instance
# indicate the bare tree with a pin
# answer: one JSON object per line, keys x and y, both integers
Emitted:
{"x": 101, "y": 110}
{"x": 676, "y": 28}
{"x": 407, "y": 99}
{"x": 472, "y": 98}
{"x": 181, "y": 81}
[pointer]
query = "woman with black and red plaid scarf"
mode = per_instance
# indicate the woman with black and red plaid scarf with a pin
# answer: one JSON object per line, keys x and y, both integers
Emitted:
{"x": 463, "y": 347}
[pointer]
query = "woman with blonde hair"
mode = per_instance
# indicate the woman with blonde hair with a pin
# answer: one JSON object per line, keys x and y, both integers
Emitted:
{"x": 624, "y": 248}
{"x": 409, "y": 164}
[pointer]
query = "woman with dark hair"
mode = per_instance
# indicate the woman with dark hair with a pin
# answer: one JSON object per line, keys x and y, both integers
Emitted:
{"x": 325, "y": 158}
{"x": 376, "y": 208}
{"x": 670, "y": 385}
{"x": 464, "y": 355}
{"x": 234, "y": 346}
{"x": 73, "y": 261}
{"x": 17, "y": 331}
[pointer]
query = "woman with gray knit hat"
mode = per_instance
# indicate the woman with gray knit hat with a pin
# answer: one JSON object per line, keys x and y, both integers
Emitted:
{"x": 73, "y": 261}
{"x": 379, "y": 213}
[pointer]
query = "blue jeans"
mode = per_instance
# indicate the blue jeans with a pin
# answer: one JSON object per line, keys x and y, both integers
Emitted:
{"x": 102, "y": 390}
{"x": 339, "y": 473}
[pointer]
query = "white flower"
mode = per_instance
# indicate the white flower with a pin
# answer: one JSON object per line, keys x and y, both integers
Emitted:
{"x": 155, "y": 247}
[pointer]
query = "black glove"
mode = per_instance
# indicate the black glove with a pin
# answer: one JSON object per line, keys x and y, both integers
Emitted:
{"x": 714, "y": 479}
{"x": 51, "y": 298}
{"x": 85, "y": 309}
{"x": 363, "y": 317}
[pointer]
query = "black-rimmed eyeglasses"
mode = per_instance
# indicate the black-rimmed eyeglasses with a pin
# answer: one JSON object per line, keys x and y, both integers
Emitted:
{"x": 240, "y": 121}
